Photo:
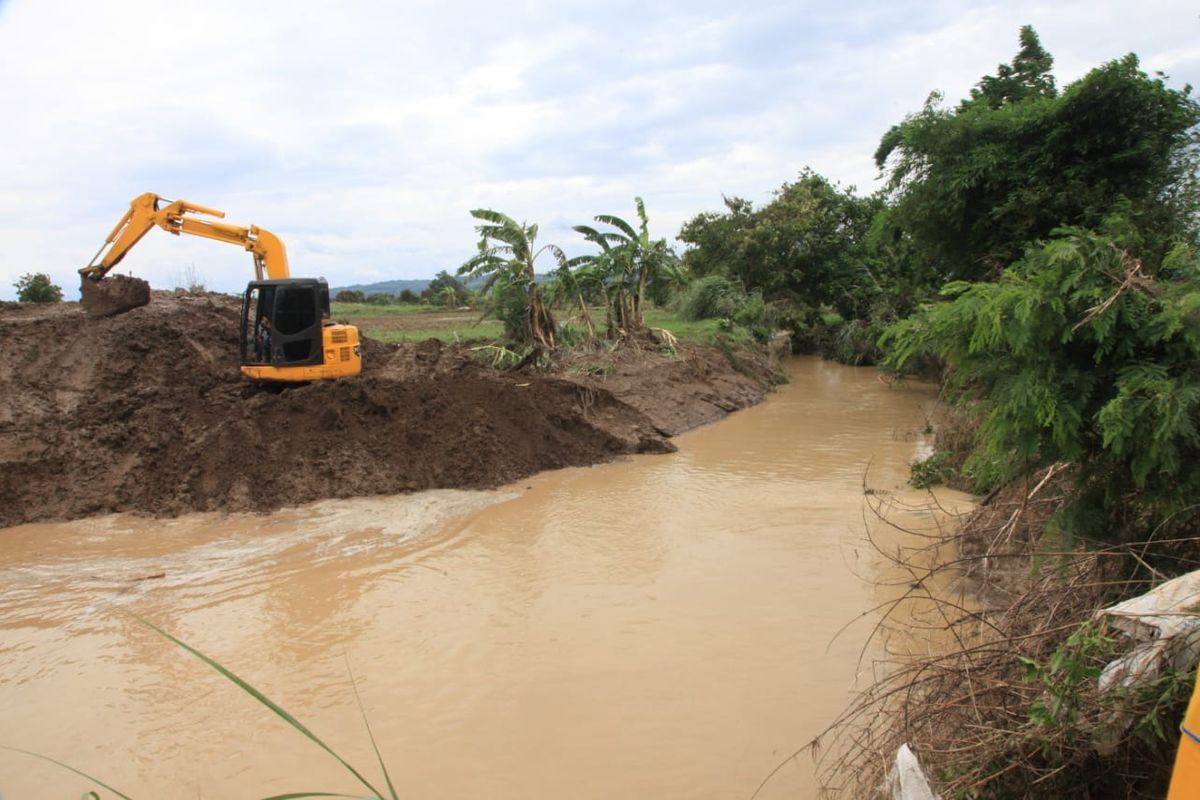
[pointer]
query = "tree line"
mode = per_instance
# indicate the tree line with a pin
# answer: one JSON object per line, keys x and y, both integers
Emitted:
{"x": 1036, "y": 246}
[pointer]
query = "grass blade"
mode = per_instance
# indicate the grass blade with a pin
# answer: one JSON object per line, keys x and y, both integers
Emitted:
{"x": 370, "y": 735}
{"x": 58, "y": 763}
{"x": 266, "y": 701}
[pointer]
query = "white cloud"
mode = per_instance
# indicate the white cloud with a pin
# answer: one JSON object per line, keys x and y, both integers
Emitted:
{"x": 363, "y": 133}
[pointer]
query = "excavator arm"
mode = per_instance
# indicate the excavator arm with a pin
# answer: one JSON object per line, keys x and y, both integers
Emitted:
{"x": 149, "y": 210}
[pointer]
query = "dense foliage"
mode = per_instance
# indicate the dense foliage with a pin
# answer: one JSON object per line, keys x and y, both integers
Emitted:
{"x": 712, "y": 297}
{"x": 1073, "y": 338}
{"x": 1079, "y": 353}
{"x": 808, "y": 246}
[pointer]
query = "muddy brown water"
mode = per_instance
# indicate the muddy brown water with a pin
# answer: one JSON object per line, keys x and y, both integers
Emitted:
{"x": 664, "y": 626}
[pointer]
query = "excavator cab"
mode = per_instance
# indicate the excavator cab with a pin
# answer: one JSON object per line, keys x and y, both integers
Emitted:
{"x": 287, "y": 336}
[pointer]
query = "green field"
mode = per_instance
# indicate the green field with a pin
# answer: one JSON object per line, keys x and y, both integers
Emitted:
{"x": 415, "y": 323}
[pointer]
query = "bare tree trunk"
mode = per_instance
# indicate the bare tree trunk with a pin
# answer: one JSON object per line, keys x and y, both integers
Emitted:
{"x": 639, "y": 316}
{"x": 587, "y": 320}
{"x": 541, "y": 324}
{"x": 610, "y": 331}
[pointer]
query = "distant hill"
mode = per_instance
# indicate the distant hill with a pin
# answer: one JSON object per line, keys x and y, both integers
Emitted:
{"x": 383, "y": 287}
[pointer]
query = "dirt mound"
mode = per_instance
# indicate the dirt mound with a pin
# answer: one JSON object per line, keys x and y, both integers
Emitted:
{"x": 146, "y": 411}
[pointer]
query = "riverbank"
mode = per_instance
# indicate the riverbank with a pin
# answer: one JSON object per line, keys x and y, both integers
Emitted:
{"x": 1032, "y": 681}
{"x": 146, "y": 412}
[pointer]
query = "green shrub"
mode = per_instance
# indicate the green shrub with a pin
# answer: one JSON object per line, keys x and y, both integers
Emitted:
{"x": 711, "y": 297}
{"x": 37, "y": 288}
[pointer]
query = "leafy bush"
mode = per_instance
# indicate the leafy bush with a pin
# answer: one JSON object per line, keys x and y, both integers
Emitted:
{"x": 935, "y": 470}
{"x": 1078, "y": 355}
{"x": 37, "y": 288}
{"x": 350, "y": 296}
{"x": 712, "y": 297}
{"x": 751, "y": 312}
{"x": 380, "y": 299}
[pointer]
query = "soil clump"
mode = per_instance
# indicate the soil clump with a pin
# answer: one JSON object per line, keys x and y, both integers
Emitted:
{"x": 113, "y": 295}
{"x": 147, "y": 412}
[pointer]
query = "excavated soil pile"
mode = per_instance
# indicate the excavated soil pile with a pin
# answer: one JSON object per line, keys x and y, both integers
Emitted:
{"x": 146, "y": 412}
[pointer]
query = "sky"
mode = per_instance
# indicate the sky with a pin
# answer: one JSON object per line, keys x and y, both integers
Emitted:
{"x": 363, "y": 133}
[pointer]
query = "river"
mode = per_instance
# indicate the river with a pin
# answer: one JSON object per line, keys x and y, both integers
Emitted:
{"x": 664, "y": 626}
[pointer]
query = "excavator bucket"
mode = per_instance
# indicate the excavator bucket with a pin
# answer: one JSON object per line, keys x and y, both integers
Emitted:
{"x": 115, "y": 295}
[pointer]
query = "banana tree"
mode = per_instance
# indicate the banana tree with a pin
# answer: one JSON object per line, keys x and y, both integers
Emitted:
{"x": 600, "y": 271}
{"x": 505, "y": 261}
{"x": 633, "y": 260}
{"x": 570, "y": 286}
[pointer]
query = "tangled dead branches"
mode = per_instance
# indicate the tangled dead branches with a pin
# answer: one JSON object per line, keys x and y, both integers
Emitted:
{"x": 990, "y": 662}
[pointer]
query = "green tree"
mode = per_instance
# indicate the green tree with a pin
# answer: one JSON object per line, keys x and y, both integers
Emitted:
{"x": 596, "y": 271}
{"x": 505, "y": 261}
{"x": 437, "y": 292}
{"x": 973, "y": 186}
{"x": 716, "y": 237}
{"x": 807, "y": 246}
{"x": 37, "y": 288}
{"x": 350, "y": 296}
{"x": 407, "y": 296}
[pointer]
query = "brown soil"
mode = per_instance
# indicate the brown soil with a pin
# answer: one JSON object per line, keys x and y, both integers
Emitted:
{"x": 113, "y": 295}
{"x": 147, "y": 412}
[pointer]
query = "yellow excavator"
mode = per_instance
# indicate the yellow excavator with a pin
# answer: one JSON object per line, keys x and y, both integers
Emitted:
{"x": 286, "y": 333}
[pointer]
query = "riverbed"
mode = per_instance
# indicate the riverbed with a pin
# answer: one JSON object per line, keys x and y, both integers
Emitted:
{"x": 662, "y": 626}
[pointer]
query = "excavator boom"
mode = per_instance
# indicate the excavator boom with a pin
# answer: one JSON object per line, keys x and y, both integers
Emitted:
{"x": 149, "y": 210}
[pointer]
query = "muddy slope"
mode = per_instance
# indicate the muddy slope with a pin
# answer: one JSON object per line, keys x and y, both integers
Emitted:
{"x": 146, "y": 412}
